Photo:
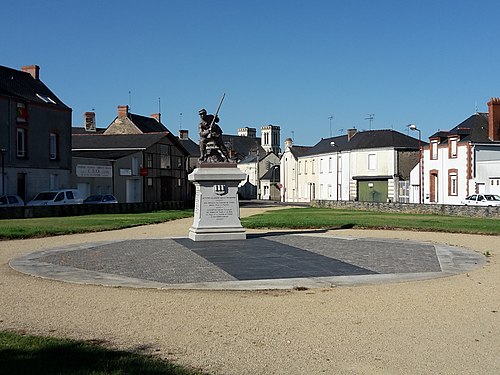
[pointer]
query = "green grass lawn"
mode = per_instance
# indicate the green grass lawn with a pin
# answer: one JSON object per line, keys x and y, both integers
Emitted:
{"x": 294, "y": 218}
{"x": 327, "y": 218}
{"x": 53, "y": 226}
{"x": 22, "y": 355}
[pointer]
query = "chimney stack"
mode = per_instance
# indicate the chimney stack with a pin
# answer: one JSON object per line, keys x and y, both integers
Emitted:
{"x": 288, "y": 142}
{"x": 183, "y": 134}
{"x": 494, "y": 119}
{"x": 89, "y": 121}
{"x": 156, "y": 116}
{"x": 122, "y": 111}
{"x": 350, "y": 133}
{"x": 34, "y": 70}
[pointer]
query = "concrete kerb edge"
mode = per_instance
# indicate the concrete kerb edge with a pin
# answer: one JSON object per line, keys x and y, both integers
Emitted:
{"x": 28, "y": 264}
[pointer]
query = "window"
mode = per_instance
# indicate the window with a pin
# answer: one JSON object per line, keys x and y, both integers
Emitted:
{"x": 330, "y": 164}
{"x": 22, "y": 113}
{"x": 321, "y": 165}
{"x": 313, "y": 167}
{"x": 434, "y": 150}
{"x": 305, "y": 166}
{"x": 21, "y": 143}
{"x": 53, "y": 146}
{"x": 452, "y": 182}
{"x": 300, "y": 167}
{"x": 149, "y": 160}
{"x": 453, "y": 148}
{"x": 372, "y": 162}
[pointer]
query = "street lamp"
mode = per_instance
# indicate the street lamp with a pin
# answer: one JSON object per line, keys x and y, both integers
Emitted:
{"x": 3, "y": 151}
{"x": 113, "y": 176}
{"x": 420, "y": 188}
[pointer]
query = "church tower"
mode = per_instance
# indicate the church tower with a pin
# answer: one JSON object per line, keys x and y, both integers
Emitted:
{"x": 270, "y": 138}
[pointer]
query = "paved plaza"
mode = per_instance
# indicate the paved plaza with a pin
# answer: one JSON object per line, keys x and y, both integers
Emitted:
{"x": 273, "y": 260}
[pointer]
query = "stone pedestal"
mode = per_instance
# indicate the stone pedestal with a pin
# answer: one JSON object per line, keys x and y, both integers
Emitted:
{"x": 216, "y": 209}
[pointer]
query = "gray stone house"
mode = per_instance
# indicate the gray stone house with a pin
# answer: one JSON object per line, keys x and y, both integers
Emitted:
{"x": 35, "y": 134}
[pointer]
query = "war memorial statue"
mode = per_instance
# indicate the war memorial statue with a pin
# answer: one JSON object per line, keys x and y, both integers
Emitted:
{"x": 216, "y": 206}
{"x": 210, "y": 131}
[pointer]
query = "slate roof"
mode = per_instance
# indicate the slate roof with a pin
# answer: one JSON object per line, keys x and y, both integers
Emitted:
{"x": 21, "y": 85}
{"x": 360, "y": 140}
{"x": 473, "y": 129}
{"x": 115, "y": 141}
{"x": 192, "y": 148}
{"x": 81, "y": 130}
{"x": 117, "y": 144}
{"x": 273, "y": 174}
{"x": 147, "y": 124}
{"x": 243, "y": 146}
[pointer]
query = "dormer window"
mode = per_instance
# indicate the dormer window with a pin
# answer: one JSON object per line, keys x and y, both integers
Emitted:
{"x": 453, "y": 147}
{"x": 46, "y": 99}
{"x": 434, "y": 149}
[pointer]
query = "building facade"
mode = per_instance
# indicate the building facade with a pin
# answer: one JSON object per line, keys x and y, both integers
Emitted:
{"x": 365, "y": 166}
{"x": 35, "y": 134}
{"x": 464, "y": 160}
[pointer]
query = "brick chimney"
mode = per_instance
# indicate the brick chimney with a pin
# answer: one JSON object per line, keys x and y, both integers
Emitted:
{"x": 183, "y": 134}
{"x": 89, "y": 121}
{"x": 156, "y": 116}
{"x": 350, "y": 133}
{"x": 122, "y": 111}
{"x": 494, "y": 119}
{"x": 34, "y": 70}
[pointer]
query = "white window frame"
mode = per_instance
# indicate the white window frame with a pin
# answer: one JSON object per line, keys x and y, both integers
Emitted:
{"x": 53, "y": 149}
{"x": 21, "y": 142}
{"x": 372, "y": 162}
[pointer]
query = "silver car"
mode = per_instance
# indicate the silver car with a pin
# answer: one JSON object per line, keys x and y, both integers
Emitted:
{"x": 10, "y": 201}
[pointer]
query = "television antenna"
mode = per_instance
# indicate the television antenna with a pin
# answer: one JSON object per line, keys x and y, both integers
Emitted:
{"x": 370, "y": 118}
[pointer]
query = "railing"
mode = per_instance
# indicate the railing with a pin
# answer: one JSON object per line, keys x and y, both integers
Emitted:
{"x": 87, "y": 209}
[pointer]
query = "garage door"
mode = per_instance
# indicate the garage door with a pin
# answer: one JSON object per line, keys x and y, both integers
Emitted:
{"x": 372, "y": 191}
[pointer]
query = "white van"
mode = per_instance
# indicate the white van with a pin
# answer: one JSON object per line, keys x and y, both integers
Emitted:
{"x": 56, "y": 197}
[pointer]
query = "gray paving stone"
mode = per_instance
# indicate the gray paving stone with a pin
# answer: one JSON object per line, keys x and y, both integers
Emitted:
{"x": 259, "y": 262}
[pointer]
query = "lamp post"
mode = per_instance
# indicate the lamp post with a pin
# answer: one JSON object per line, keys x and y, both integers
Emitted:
{"x": 3, "y": 151}
{"x": 113, "y": 176}
{"x": 420, "y": 189}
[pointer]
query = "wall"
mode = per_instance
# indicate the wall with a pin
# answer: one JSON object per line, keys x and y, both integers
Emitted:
{"x": 87, "y": 209}
{"x": 433, "y": 209}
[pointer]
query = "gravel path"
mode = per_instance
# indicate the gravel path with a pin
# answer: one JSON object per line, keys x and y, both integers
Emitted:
{"x": 443, "y": 326}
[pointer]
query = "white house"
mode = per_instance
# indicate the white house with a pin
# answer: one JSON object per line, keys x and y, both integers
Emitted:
{"x": 368, "y": 166}
{"x": 464, "y": 160}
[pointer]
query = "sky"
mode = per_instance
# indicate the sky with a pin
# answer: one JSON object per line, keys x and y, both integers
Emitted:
{"x": 315, "y": 68}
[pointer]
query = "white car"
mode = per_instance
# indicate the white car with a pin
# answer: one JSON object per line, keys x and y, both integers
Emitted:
{"x": 482, "y": 200}
{"x": 56, "y": 197}
{"x": 10, "y": 201}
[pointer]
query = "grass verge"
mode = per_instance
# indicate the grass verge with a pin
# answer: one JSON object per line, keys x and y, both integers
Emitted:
{"x": 20, "y": 354}
{"x": 53, "y": 226}
{"x": 327, "y": 218}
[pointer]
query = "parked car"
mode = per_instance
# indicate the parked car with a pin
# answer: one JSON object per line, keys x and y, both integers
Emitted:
{"x": 482, "y": 200}
{"x": 100, "y": 199}
{"x": 10, "y": 201}
{"x": 56, "y": 197}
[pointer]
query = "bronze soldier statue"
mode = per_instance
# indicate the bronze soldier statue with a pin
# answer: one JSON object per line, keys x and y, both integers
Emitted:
{"x": 210, "y": 131}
